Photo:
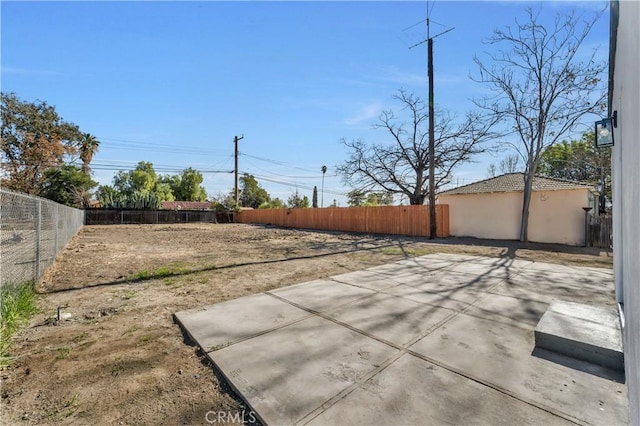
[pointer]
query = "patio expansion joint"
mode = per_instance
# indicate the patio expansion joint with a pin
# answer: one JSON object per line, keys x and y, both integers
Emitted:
{"x": 454, "y": 370}
{"x": 503, "y": 391}
{"x": 402, "y": 349}
{"x": 260, "y": 333}
{"x": 405, "y": 349}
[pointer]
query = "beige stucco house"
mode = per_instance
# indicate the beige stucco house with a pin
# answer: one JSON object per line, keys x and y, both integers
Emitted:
{"x": 492, "y": 209}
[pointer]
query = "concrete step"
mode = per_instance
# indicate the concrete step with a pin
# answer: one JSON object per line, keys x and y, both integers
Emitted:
{"x": 585, "y": 332}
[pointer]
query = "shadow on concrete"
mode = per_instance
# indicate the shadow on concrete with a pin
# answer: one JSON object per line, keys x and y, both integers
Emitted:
{"x": 575, "y": 364}
{"x": 397, "y": 328}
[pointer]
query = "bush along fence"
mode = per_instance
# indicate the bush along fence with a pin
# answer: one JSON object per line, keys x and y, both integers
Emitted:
{"x": 129, "y": 217}
{"x": 393, "y": 220}
{"x": 32, "y": 232}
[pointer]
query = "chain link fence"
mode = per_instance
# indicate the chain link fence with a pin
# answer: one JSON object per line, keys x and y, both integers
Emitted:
{"x": 32, "y": 232}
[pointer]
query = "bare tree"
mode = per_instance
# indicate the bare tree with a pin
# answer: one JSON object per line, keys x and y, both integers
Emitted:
{"x": 510, "y": 164}
{"x": 401, "y": 166}
{"x": 541, "y": 86}
{"x": 492, "y": 171}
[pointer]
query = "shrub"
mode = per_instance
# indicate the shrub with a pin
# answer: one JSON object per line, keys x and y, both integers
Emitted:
{"x": 17, "y": 305}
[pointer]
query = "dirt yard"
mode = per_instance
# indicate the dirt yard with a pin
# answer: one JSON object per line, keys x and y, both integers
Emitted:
{"x": 120, "y": 359}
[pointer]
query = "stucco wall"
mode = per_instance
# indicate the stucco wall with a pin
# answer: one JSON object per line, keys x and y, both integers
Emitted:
{"x": 494, "y": 216}
{"x": 626, "y": 191}
{"x": 554, "y": 216}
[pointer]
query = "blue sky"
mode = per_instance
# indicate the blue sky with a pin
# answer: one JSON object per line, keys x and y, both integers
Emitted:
{"x": 174, "y": 82}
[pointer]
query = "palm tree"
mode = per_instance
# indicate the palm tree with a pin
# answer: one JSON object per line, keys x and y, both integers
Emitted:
{"x": 88, "y": 147}
{"x": 324, "y": 170}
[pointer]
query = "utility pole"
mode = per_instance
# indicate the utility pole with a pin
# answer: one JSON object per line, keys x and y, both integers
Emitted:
{"x": 235, "y": 171}
{"x": 432, "y": 164}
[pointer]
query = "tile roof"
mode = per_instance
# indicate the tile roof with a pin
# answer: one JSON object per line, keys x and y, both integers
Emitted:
{"x": 185, "y": 205}
{"x": 514, "y": 182}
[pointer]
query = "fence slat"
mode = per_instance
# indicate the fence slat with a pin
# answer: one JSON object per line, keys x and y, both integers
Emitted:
{"x": 600, "y": 231}
{"x": 396, "y": 220}
{"x": 131, "y": 217}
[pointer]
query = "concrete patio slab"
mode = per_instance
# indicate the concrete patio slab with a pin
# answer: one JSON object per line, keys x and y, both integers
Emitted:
{"x": 444, "y": 281}
{"x": 412, "y": 391}
{"x": 393, "y": 319}
{"x": 451, "y": 260}
{"x": 501, "y": 355}
{"x": 456, "y": 300}
{"x": 509, "y": 310}
{"x": 434, "y": 339}
{"x": 558, "y": 282}
{"x": 289, "y": 372}
{"x": 420, "y": 265}
{"x": 373, "y": 280}
{"x": 392, "y": 269}
{"x": 321, "y": 295}
{"x": 487, "y": 269}
{"x": 225, "y": 323}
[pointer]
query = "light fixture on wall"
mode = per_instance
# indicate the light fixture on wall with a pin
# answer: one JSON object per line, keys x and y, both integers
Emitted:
{"x": 604, "y": 130}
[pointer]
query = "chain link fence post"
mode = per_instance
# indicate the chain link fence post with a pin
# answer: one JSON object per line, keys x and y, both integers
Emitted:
{"x": 38, "y": 219}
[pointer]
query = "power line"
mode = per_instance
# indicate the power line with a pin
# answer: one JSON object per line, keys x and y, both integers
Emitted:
{"x": 294, "y": 184}
{"x": 153, "y": 146}
{"x": 277, "y": 162}
{"x": 285, "y": 176}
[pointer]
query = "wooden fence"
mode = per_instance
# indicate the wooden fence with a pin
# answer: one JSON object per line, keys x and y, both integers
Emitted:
{"x": 394, "y": 220}
{"x": 600, "y": 231}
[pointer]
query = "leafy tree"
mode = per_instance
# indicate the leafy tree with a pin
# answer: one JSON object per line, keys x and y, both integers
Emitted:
{"x": 34, "y": 138}
{"x": 578, "y": 160}
{"x": 226, "y": 202}
{"x": 143, "y": 180}
{"x": 314, "y": 199}
{"x": 87, "y": 147}
{"x": 358, "y": 198}
{"x": 66, "y": 185}
{"x": 140, "y": 188}
{"x": 274, "y": 203}
{"x": 251, "y": 193}
{"x": 401, "y": 166}
{"x": 296, "y": 201}
{"x": 379, "y": 199}
{"x": 187, "y": 186}
{"x": 542, "y": 87}
{"x": 106, "y": 194}
{"x": 139, "y": 200}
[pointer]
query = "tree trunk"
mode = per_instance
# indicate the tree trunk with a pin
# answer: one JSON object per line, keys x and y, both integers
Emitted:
{"x": 416, "y": 199}
{"x": 526, "y": 201}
